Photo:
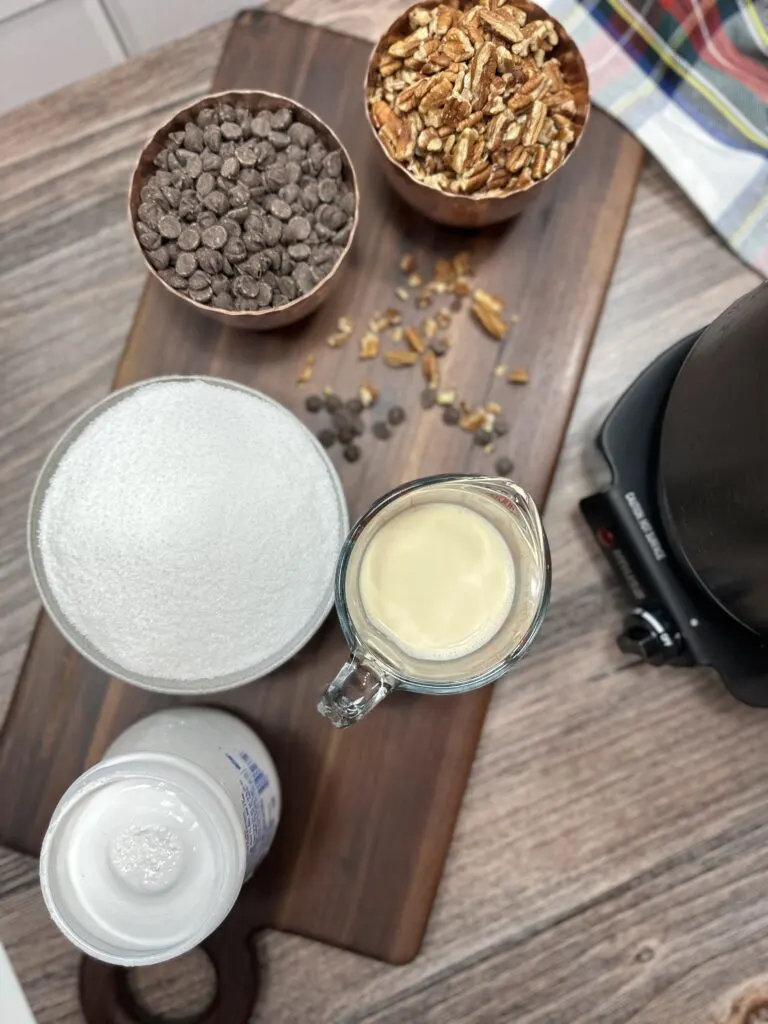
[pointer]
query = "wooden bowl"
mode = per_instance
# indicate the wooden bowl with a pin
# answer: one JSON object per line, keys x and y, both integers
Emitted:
{"x": 475, "y": 210}
{"x": 261, "y": 319}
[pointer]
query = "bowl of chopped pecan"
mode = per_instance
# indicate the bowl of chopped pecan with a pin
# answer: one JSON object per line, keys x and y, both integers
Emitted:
{"x": 244, "y": 205}
{"x": 475, "y": 106}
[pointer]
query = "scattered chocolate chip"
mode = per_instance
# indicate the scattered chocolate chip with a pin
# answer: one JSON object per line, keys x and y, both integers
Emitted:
{"x": 314, "y": 403}
{"x": 354, "y": 406}
{"x": 504, "y": 466}
{"x": 482, "y": 437}
{"x": 352, "y": 452}
{"x": 396, "y": 415}
{"x": 327, "y": 437}
{"x": 333, "y": 403}
{"x": 451, "y": 415}
{"x": 346, "y": 434}
{"x": 428, "y": 398}
{"x": 381, "y": 430}
{"x": 500, "y": 426}
{"x": 439, "y": 346}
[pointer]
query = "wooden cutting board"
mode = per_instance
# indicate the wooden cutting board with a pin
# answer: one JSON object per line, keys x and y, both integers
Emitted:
{"x": 368, "y": 812}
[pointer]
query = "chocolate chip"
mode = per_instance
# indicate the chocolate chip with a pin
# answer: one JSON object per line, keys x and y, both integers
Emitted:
{"x": 169, "y": 226}
{"x": 381, "y": 430}
{"x": 500, "y": 427}
{"x": 333, "y": 403}
{"x": 223, "y": 301}
{"x": 304, "y": 278}
{"x": 296, "y": 230}
{"x": 205, "y": 219}
{"x": 186, "y": 264}
{"x": 332, "y": 165}
{"x": 451, "y": 415}
{"x": 219, "y": 282}
{"x": 231, "y": 131}
{"x": 354, "y": 406}
{"x": 235, "y": 250}
{"x": 212, "y": 138}
{"x": 279, "y": 140}
{"x": 193, "y": 165}
{"x": 261, "y": 126}
{"x": 247, "y": 286}
{"x": 199, "y": 280}
{"x": 214, "y": 237}
{"x": 217, "y": 203}
{"x": 279, "y": 208}
{"x": 439, "y": 346}
{"x": 282, "y": 119}
{"x": 287, "y": 287}
{"x": 205, "y": 117}
{"x": 428, "y": 398}
{"x": 327, "y": 437}
{"x": 352, "y": 452}
{"x": 302, "y": 135}
{"x": 300, "y": 251}
{"x": 189, "y": 239}
{"x": 148, "y": 239}
{"x": 327, "y": 190}
{"x": 504, "y": 466}
{"x": 159, "y": 258}
{"x": 149, "y": 214}
{"x": 230, "y": 168}
{"x": 211, "y": 161}
{"x": 482, "y": 437}
{"x": 396, "y": 415}
{"x": 313, "y": 403}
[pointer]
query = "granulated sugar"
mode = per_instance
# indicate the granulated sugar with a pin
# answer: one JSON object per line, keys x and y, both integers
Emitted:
{"x": 191, "y": 531}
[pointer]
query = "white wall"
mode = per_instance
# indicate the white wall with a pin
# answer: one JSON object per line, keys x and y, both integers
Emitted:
{"x": 47, "y": 44}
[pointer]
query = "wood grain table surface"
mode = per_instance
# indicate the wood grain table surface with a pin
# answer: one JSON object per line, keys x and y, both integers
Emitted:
{"x": 611, "y": 858}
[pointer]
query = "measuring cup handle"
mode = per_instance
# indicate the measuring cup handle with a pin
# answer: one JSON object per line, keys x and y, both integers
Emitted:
{"x": 355, "y": 691}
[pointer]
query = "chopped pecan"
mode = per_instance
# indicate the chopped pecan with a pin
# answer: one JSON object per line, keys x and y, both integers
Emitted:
{"x": 405, "y": 47}
{"x": 482, "y": 70}
{"x": 306, "y": 371}
{"x": 519, "y": 376}
{"x": 398, "y": 359}
{"x": 369, "y": 346}
{"x": 368, "y": 394}
{"x": 430, "y": 368}
{"x": 555, "y": 155}
{"x": 535, "y": 122}
{"x": 517, "y": 159}
{"x": 502, "y": 22}
{"x": 490, "y": 301}
{"x": 414, "y": 339}
{"x": 539, "y": 161}
{"x": 490, "y": 320}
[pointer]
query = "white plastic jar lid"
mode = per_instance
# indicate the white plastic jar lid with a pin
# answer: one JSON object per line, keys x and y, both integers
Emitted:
{"x": 143, "y": 859}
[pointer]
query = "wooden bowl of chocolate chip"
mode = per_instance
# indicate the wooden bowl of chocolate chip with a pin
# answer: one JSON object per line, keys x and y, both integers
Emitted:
{"x": 475, "y": 106}
{"x": 245, "y": 205}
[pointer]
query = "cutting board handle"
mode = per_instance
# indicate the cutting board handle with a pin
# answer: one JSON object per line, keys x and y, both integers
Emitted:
{"x": 106, "y": 996}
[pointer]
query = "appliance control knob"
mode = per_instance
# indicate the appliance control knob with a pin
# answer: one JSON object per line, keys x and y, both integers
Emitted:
{"x": 649, "y": 635}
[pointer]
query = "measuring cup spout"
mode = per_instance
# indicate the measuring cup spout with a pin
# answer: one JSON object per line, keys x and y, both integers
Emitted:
{"x": 356, "y": 690}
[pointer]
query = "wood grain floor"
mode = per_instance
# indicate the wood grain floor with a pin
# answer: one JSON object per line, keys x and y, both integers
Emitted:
{"x": 611, "y": 859}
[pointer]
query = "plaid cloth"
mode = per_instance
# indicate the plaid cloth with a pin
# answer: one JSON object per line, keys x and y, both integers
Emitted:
{"x": 689, "y": 79}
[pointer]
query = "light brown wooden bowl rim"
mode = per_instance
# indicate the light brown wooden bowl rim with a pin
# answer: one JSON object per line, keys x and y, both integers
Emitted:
{"x": 565, "y": 40}
{"x": 294, "y": 308}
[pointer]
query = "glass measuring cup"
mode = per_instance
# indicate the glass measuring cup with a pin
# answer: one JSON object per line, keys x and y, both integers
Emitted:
{"x": 378, "y": 665}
